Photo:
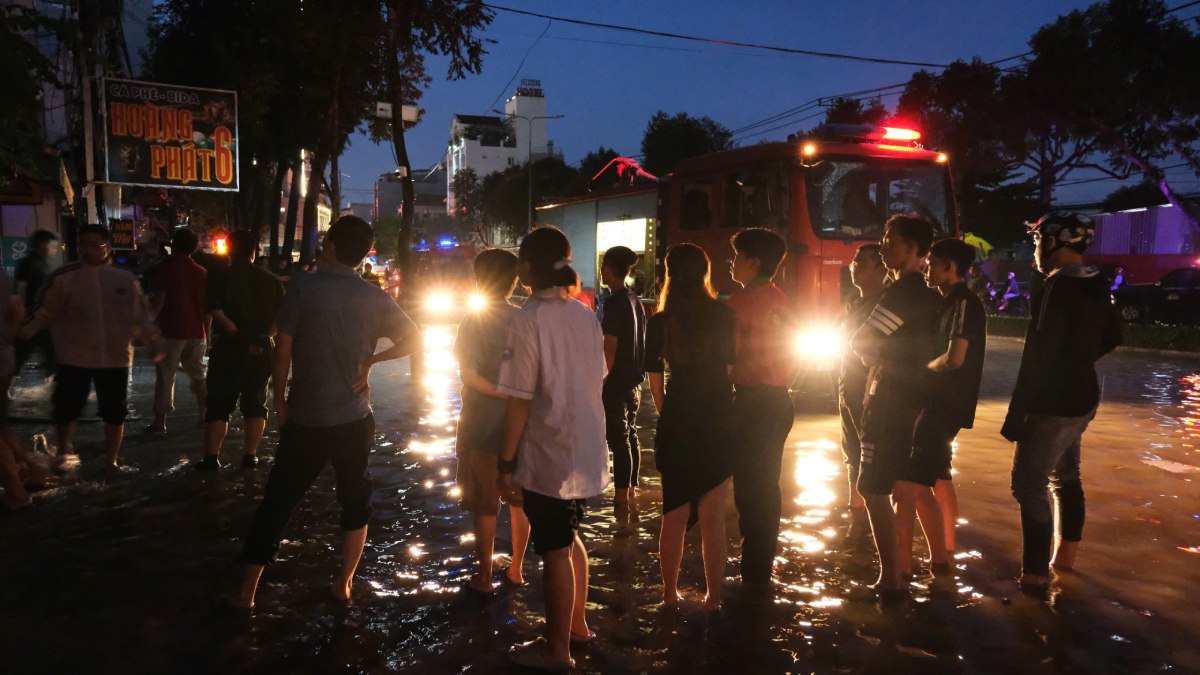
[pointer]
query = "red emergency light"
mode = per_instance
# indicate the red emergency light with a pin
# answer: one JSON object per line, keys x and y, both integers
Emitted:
{"x": 900, "y": 134}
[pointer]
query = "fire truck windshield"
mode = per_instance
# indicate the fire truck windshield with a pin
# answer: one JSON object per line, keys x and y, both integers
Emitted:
{"x": 852, "y": 197}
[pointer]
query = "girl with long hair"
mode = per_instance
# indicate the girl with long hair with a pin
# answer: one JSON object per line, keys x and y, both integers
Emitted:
{"x": 692, "y": 337}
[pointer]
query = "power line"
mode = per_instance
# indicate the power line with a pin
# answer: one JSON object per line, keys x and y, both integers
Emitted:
{"x": 734, "y": 43}
{"x": 519, "y": 66}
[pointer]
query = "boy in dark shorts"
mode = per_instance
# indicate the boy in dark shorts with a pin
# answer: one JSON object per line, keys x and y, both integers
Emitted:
{"x": 868, "y": 275}
{"x": 897, "y": 341}
{"x": 479, "y": 348}
{"x": 328, "y": 328}
{"x": 763, "y": 371}
{"x": 243, "y": 299}
{"x": 927, "y": 487}
{"x": 623, "y": 322}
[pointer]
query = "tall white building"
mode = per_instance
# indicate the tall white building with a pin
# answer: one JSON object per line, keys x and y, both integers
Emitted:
{"x": 489, "y": 143}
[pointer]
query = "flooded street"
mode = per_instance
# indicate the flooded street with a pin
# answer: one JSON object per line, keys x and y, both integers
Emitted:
{"x": 124, "y": 575}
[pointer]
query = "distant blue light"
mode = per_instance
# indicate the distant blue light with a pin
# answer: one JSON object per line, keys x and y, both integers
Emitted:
{"x": 445, "y": 243}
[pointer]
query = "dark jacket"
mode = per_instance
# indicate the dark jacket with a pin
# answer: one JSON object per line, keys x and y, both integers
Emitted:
{"x": 1072, "y": 325}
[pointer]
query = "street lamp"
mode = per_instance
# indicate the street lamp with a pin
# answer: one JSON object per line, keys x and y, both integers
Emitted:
{"x": 529, "y": 155}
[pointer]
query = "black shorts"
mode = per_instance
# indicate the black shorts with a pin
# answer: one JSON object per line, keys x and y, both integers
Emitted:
{"x": 553, "y": 522}
{"x": 72, "y": 384}
{"x": 236, "y": 373}
{"x": 887, "y": 442}
{"x": 932, "y": 451}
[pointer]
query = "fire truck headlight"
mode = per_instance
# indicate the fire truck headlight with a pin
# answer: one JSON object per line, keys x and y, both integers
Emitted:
{"x": 476, "y": 302}
{"x": 439, "y": 302}
{"x": 818, "y": 344}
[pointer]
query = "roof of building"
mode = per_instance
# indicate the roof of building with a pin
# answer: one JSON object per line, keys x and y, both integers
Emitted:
{"x": 482, "y": 120}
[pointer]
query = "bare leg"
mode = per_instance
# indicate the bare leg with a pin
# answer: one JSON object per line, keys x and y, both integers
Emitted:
{"x": 485, "y": 540}
{"x": 670, "y": 551}
{"x": 520, "y": 541}
{"x": 214, "y": 437}
{"x": 948, "y": 501}
{"x": 579, "y": 569}
{"x": 931, "y": 524}
{"x": 15, "y": 496}
{"x": 113, "y": 435}
{"x": 559, "y": 591}
{"x": 906, "y": 511}
{"x": 252, "y": 437}
{"x": 713, "y": 544}
{"x": 352, "y": 547}
{"x": 160, "y": 424}
{"x": 66, "y": 438}
{"x": 883, "y": 527}
{"x": 245, "y": 596}
{"x": 1064, "y": 556}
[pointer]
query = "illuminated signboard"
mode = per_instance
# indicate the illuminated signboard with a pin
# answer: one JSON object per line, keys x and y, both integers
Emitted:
{"x": 164, "y": 135}
{"x": 631, "y": 233}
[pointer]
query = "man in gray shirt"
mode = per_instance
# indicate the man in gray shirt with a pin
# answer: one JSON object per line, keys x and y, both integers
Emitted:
{"x": 329, "y": 324}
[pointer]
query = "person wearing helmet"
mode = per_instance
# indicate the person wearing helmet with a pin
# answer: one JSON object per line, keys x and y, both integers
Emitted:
{"x": 1072, "y": 326}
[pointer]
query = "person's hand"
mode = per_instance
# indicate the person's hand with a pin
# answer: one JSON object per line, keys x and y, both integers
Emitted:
{"x": 1014, "y": 427}
{"x": 939, "y": 364}
{"x": 505, "y": 484}
{"x": 281, "y": 412}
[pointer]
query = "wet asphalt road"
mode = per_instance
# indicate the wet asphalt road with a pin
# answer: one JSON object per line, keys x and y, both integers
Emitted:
{"x": 123, "y": 574}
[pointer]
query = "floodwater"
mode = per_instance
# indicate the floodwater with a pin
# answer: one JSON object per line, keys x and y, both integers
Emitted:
{"x": 124, "y": 574}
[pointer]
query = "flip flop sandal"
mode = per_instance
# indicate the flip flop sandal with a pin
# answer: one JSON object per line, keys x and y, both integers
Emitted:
{"x": 533, "y": 655}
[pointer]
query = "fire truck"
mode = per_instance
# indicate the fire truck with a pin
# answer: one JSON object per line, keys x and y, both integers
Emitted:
{"x": 826, "y": 195}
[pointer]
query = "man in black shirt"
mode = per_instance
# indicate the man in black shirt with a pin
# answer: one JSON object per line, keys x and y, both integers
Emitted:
{"x": 1072, "y": 326}
{"x": 868, "y": 275}
{"x": 897, "y": 341}
{"x": 926, "y": 487}
{"x": 31, "y": 273}
{"x": 243, "y": 299}
{"x": 624, "y": 325}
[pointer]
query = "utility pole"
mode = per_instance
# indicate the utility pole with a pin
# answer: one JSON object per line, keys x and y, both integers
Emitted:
{"x": 529, "y": 156}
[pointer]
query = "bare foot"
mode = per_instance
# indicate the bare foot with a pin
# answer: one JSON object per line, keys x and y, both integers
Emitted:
{"x": 17, "y": 501}
{"x": 156, "y": 429}
{"x": 514, "y": 576}
{"x": 712, "y": 604}
{"x": 1034, "y": 581}
{"x": 236, "y": 601}
{"x": 341, "y": 589}
{"x": 479, "y": 584}
{"x": 1064, "y": 557}
{"x": 670, "y": 599}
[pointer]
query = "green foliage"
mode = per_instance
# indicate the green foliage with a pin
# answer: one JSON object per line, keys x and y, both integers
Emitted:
{"x": 1138, "y": 335}
{"x": 852, "y": 111}
{"x": 23, "y": 73}
{"x": 593, "y": 162}
{"x": 386, "y": 230}
{"x": 1141, "y": 195}
{"x": 670, "y": 140}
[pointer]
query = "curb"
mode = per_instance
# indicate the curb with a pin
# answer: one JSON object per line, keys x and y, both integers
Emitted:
{"x": 1122, "y": 348}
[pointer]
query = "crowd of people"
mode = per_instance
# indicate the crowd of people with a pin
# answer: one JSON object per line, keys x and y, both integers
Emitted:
{"x": 551, "y": 393}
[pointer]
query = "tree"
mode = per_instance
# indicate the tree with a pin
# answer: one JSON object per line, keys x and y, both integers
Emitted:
{"x": 24, "y": 71}
{"x": 852, "y": 111}
{"x": 504, "y": 197}
{"x": 468, "y": 204}
{"x": 1137, "y": 196}
{"x": 1116, "y": 73}
{"x": 595, "y": 161}
{"x": 670, "y": 140}
{"x": 415, "y": 28}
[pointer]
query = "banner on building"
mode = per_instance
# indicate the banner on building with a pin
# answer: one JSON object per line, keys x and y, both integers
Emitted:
{"x": 164, "y": 135}
{"x": 122, "y": 234}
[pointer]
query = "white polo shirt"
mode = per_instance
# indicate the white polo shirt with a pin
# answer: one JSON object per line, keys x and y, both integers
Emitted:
{"x": 555, "y": 360}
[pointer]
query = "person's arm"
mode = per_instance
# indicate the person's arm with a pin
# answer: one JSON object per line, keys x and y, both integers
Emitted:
{"x": 280, "y": 366}
{"x": 226, "y": 324}
{"x": 610, "y": 351}
{"x": 516, "y": 416}
{"x": 471, "y": 378}
{"x": 867, "y": 344}
{"x": 658, "y": 390}
{"x": 54, "y": 297}
{"x": 954, "y": 357}
{"x": 519, "y": 379}
{"x": 404, "y": 335}
{"x": 145, "y": 325}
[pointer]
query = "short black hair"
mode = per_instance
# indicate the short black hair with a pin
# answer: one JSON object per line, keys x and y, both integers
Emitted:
{"x": 620, "y": 259}
{"x": 914, "y": 228}
{"x": 243, "y": 244}
{"x": 98, "y": 230}
{"x": 184, "y": 242}
{"x": 495, "y": 271}
{"x": 956, "y": 251}
{"x": 763, "y": 245}
{"x": 873, "y": 251}
{"x": 548, "y": 253}
{"x": 41, "y": 237}
{"x": 352, "y": 238}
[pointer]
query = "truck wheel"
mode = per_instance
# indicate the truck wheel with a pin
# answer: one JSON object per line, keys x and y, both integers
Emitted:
{"x": 1130, "y": 312}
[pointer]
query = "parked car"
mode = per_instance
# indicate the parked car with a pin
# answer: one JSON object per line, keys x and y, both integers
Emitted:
{"x": 1173, "y": 299}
